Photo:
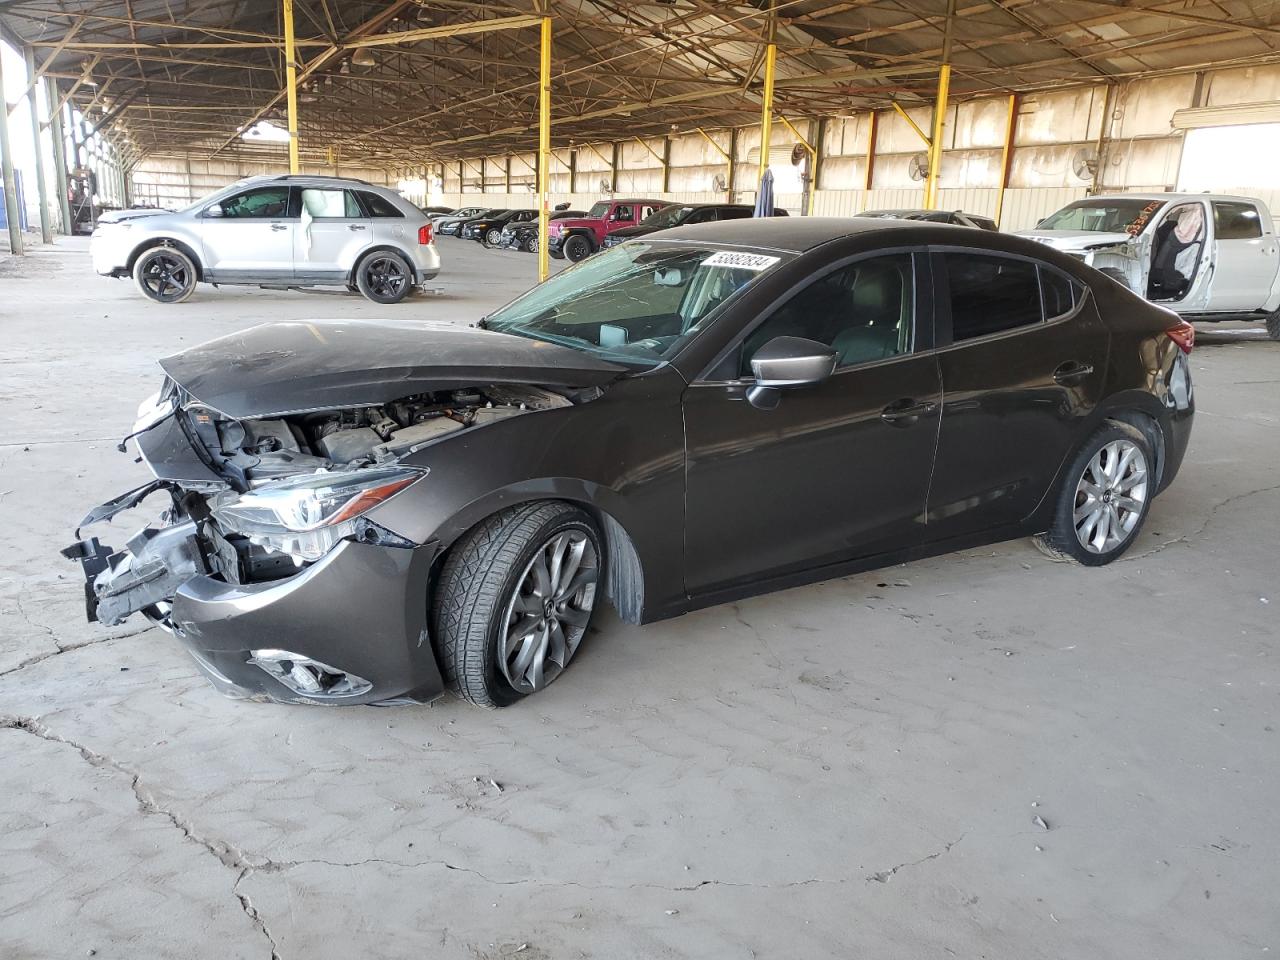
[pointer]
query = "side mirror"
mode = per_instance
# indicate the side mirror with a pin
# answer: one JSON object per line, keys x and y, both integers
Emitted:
{"x": 213, "y": 210}
{"x": 787, "y": 362}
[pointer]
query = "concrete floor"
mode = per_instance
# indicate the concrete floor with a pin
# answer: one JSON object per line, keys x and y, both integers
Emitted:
{"x": 980, "y": 755}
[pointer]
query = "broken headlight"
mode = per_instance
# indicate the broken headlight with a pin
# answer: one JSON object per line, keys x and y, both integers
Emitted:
{"x": 306, "y": 516}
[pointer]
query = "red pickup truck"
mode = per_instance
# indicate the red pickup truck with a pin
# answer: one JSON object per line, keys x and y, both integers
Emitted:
{"x": 577, "y": 238}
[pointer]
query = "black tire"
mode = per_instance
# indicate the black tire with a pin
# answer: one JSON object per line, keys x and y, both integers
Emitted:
{"x": 480, "y": 576}
{"x": 577, "y": 247}
{"x": 1061, "y": 541}
{"x": 530, "y": 244}
{"x": 384, "y": 276}
{"x": 493, "y": 237}
{"x": 1273, "y": 325}
{"x": 165, "y": 274}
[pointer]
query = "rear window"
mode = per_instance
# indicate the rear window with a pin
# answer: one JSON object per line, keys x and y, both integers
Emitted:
{"x": 379, "y": 206}
{"x": 991, "y": 294}
{"x": 1236, "y": 221}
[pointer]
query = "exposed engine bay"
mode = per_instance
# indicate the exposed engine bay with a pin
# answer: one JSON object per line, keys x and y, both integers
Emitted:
{"x": 252, "y": 452}
{"x": 289, "y": 488}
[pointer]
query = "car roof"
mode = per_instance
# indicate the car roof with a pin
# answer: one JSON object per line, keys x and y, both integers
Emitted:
{"x": 1169, "y": 196}
{"x": 790, "y": 234}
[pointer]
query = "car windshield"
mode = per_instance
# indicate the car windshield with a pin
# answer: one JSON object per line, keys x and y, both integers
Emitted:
{"x": 638, "y": 303}
{"x": 667, "y": 216}
{"x": 1115, "y": 215}
{"x": 598, "y": 210}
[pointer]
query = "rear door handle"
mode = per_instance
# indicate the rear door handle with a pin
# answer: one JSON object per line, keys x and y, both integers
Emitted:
{"x": 279, "y": 226}
{"x": 1072, "y": 372}
{"x": 355, "y": 226}
{"x": 904, "y": 413}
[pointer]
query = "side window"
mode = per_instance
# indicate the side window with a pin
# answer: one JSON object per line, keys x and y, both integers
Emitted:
{"x": 330, "y": 203}
{"x": 262, "y": 202}
{"x": 864, "y": 310}
{"x": 1236, "y": 221}
{"x": 379, "y": 206}
{"x": 622, "y": 213}
{"x": 735, "y": 213}
{"x": 1059, "y": 293}
{"x": 702, "y": 216}
{"x": 647, "y": 212}
{"x": 991, "y": 294}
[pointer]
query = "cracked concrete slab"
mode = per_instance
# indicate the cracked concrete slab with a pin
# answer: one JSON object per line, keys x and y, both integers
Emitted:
{"x": 849, "y": 769}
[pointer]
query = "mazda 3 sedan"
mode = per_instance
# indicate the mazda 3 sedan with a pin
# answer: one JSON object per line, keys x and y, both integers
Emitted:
{"x": 370, "y": 511}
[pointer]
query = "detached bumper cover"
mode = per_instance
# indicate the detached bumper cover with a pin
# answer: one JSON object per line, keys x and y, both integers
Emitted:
{"x": 361, "y": 609}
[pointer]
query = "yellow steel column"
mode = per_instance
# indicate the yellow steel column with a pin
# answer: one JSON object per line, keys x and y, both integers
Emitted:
{"x": 544, "y": 149}
{"x": 291, "y": 84}
{"x": 1006, "y": 154}
{"x": 766, "y": 109}
{"x": 935, "y": 142}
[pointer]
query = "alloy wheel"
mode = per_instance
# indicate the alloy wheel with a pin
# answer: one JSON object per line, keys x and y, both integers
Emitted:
{"x": 548, "y": 613}
{"x": 166, "y": 277}
{"x": 385, "y": 276}
{"x": 493, "y": 238}
{"x": 1111, "y": 496}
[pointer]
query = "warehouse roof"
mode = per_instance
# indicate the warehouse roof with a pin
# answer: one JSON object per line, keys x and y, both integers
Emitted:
{"x": 387, "y": 81}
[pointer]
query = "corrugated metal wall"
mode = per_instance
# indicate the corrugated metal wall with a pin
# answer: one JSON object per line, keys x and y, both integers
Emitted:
{"x": 1054, "y": 157}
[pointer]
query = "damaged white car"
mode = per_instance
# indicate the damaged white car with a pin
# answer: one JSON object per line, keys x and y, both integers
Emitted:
{"x": 1209, "y": 258}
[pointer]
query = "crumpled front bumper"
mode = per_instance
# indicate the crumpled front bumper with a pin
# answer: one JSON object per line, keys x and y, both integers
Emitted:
{"x": 361, "y": 610}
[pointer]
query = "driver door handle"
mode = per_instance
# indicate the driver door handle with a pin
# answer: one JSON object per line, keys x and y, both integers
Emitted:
{"x": 355, "y": 226}
{"x": 1072, "y": 372}
{"x": 906, "y": 412}
{"x": 279, "y": 226}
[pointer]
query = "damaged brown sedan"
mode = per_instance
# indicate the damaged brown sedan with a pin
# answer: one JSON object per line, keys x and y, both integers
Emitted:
{"x": 364, "y": 512}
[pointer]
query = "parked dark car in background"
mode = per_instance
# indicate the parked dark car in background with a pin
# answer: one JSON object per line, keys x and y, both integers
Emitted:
{"x": 524, "y": 235}
{"x": 364, "y": 511}
{"x": 451, "y": 226}
{"x": 488, "y": 229}
{"x": 438, "y": 211}
{"x": 957, "y": 217}
{"x": 679, "y": 215}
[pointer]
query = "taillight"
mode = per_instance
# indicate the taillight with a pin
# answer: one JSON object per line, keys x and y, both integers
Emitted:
{"x": 1183, "y": 334}
{"x": 424, "y": 234}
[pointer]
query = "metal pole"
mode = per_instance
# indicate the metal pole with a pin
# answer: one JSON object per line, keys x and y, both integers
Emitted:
{"x": 940, "y": 113}
{"x": 42, "y": 188}
{"x": 1006, "y": 154}
{"x": 544, "y": 149}
{"x": 291, "y": 85}
{"x": 10, "y": 185}
{"x": 766, "y": 109}
{"x": 59, "y": 154}
{"x": 871, "y": 157}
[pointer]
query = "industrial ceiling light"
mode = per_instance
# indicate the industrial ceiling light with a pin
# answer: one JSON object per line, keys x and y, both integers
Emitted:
{"x": 363, "y": 57}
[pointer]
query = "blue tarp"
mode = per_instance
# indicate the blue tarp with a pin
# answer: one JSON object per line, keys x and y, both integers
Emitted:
{"x": 22, "y": 204}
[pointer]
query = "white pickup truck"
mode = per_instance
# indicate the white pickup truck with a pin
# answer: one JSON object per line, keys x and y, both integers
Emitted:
{"x": 1207, "y": 257}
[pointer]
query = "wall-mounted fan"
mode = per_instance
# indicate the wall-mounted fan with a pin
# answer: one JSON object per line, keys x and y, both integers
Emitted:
{"x": 719, "y": 184}
{"x": 1084, "y": 164}
{"x": 605, "y": 185}
{"x": 798, "y": 153}
{"x": 919, "y": 166}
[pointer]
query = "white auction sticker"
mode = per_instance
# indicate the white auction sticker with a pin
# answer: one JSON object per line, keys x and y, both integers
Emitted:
{"x": 740, "y": 261}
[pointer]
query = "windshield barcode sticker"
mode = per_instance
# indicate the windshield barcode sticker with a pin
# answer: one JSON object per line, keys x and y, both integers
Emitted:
{"x": 740, "y": 261}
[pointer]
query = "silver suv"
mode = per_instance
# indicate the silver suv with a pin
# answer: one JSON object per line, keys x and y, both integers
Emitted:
{"x": 274, "y": 231}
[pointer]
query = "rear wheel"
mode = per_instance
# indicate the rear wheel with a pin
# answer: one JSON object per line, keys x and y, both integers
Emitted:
{"x": 514, "y": 599}
{"x": 165, "y": 274}
{"x": 1273, "y": 325}
{"x": 576, "y": 248}
{"x": 384, "y": 277}
{"x": 1104, "y": 498}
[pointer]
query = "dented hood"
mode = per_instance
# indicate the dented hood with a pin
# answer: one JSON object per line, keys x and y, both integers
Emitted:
{"x": 295, "y": 366}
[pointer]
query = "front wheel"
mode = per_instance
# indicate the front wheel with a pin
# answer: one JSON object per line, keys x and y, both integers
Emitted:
{"x": 531, "y": 245}
{"x": 577, "y": 248}
{"x": 513, "y": 601}
{"x": 1104, "y": 498}
{"x": 493, "y": 237}
{"x": 384, "y": 277}
{"x": 165, "y": 274}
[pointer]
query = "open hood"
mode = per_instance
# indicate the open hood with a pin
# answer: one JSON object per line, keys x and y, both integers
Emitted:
{"x": 1074, "y": 241}
{"x": 301, "y": 365}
